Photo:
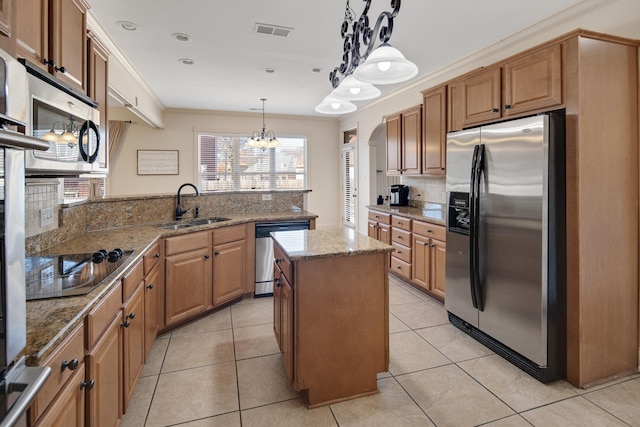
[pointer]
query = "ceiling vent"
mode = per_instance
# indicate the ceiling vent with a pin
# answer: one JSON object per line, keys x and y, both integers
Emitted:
{"x": 273, "y": 30}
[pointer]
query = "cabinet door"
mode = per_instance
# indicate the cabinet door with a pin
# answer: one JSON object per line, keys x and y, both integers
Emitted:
{"x": 394, "y": 138}
{"x": 151, "y": 309}
{"x": 32, "y": 31}
{"x": 476, "y": 99}
{"x": 277, "y": 306}
{"x": 187, "y": 285}
{"x": 384, "y": 233}
{"x": 287, "y": 332}
{"x": 434, "y": 130}
{"x": 372, "y": 230}
{"x": 421, "y": 261}
{"x": 533, "y": 82}
{"x": 67, "y": 410}
{"x": 69, "y": 41}
{"x": 438, "y": 256}
{"x": 411, "y": 130}
{"x": 228, "y": 271}
{"x": 132, "y": 343}
{"x": 97, "y": 78}
{"x": 5, "y": 17}
{"x": 104, "y": 367}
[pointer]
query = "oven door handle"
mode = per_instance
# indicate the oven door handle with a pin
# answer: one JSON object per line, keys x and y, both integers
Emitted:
{"x": 28, "y": 381}
{"x": 85, "y": 129}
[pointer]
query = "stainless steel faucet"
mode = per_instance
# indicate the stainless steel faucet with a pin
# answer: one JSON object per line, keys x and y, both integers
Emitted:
{"x": 179, "y": 210}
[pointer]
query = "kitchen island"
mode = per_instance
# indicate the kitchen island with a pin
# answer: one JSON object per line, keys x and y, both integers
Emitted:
{"x": 331, "y": 312}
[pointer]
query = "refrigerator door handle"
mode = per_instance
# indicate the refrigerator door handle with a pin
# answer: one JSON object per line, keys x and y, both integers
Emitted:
{"x": 472, "y": 226}
{"x": 477, "y": 279}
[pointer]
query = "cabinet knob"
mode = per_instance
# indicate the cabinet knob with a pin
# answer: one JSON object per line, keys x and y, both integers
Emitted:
{"x": 156, "y": 255}
{"x": 72, "y": 365}
{"x": 426, "y": 243}
{"x": 87, "y": 385}
{"x": 125, "y": 324}
{"x": 399, "y": 237}
{"x": 60, "y": 69}
{"x": 278, "y": 282}
{"x": 441, "y": 169}
{"x": 51, "y": 62}
{"x": 495, "y": 110}
{"x": 507, "y": 106}
{"x": 131, "y": 315}
{"x": 429, "y": 230}
{"x": 216, "y": 253}
{"x": 399, "y": 252}
{"x": 433, "y": 246}
{"x": 399, "y": 268}
{"x": 277, "y": 260}
{"x": 150, "y": 286}
{"x": 206, "y": 256}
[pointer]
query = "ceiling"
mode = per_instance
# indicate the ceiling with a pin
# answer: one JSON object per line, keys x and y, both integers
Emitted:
{"x": 230, "y": 58}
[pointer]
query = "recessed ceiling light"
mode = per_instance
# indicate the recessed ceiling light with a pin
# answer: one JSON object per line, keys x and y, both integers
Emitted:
{"x": 269, "y": 70}
{"x": 186, "y": 61}
{"x": 127, "y": 25}
{"x": 181, "y": 37}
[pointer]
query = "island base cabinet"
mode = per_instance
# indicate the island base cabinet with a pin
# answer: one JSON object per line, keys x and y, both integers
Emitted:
{"x": 341, "y": 326}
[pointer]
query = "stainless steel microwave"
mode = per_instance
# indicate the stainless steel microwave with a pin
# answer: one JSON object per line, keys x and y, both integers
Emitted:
{"x": 68, "y": 121}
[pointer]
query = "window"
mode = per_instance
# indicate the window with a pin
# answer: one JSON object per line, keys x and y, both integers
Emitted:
{"x": 76, "y": 189}
{"x": 228, "y": 163}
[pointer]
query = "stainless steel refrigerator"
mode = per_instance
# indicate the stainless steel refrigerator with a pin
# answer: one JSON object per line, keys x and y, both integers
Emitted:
{"x": 505, "y": 264}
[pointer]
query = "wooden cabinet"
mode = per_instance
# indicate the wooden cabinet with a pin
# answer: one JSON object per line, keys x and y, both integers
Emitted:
{"x": 283, "y": 310}
{"x": 429, "y": 252}
{"x": 97, "y": 82}
{"x": 229, "y": 261}
{"x": 68, "y": 408}
{"x": 6, "y": 17}
{"x": 401, "y": 240}
{"x": 404, "y": 142}
{"x": 188, "y": 289}
{"x": 476, "y": 99}
{"x": 104, "y": 368}
{"x": 434, "y": 131}
{"x": 104, "y": 361}
{"x": 151, "y": 308}
{"x": 338, "y": 357}
{"x": 133, "y": 348}
{"x": 524, "y": 85}
{"x": 66, "y": 362}
{"x": 379, "y": 226}
{"x": 533, "y": 82}
{"x": 59, "y": 43}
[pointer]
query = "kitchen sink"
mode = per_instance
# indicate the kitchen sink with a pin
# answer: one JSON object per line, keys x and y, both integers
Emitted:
{"x": 175, "y": 226}
{"x": 204, "y": 221}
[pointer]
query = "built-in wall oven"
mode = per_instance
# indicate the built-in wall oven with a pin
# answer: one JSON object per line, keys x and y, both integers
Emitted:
{"x": 18, "y": 383}
{"x": 67, "y": 120}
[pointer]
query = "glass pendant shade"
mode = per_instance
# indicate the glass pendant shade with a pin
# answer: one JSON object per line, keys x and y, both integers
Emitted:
{"x": 353, "y": 89}
{"x": 385, "y": 65}
{"x": 332, "y": 105}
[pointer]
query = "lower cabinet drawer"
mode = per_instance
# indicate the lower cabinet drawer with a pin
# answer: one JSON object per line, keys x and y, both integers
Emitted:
{"x": 400, "y": 268}
{"x": 68, "y": 357}
{"x": 401, "y": 236}
{"x": 99, "y": 318}
{"x": 401, "y": 252}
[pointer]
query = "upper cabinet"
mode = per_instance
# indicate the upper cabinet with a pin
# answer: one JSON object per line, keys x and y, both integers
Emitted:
{"x": 97, "y": 84}
{"x": 52, "y": 35}
{"x": 434, "y": 130}
{"x": 404, "y": 142}
{"x": 527, "y": 84}
{"x": 5, "y": 17}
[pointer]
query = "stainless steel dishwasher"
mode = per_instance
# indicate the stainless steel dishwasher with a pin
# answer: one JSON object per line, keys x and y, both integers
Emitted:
{"x": 264, "y": 253}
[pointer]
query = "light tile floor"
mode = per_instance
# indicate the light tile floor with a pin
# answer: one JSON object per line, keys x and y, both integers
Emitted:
{"x": 225, "y": 370}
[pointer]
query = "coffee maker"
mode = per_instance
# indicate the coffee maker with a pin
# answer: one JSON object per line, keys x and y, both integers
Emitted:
{"x": 399, "y": 195}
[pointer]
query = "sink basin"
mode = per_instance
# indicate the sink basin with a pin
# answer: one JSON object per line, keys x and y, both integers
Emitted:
{"x": 204, "y": 221}
{"x": 175, "y": 226}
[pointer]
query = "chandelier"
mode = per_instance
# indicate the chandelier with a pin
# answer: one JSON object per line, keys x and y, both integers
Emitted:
{"x": 363, "y": 67}
{"x": 263, "y": 138}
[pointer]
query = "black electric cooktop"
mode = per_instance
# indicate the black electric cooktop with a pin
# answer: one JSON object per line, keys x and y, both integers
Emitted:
{"x": 53, "y": 276}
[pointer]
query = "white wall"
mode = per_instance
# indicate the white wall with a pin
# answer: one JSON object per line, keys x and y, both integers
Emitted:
{"x": 180, "y": 127}
{"x": 617, "y": 17}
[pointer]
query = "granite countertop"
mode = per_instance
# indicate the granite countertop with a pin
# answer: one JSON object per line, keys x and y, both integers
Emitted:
{"x": 49, "y": 321}
{"x": 430, "y": 212}
{"x": 335, "y": 242}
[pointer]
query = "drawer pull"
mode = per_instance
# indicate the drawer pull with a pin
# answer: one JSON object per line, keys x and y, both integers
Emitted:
{"x": 399, "y": 237}
{"x": 399, "y": 252}
{"x": 429, "y": 230}
{"x": 87, "y": 385}
{"x": 72, "y": 365}
{"x": 399, "y": 268}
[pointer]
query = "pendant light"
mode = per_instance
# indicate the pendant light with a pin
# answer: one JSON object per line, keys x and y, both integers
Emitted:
{"x": 332, "y": 105}
{"x": 263, "y": 138}
{"x": 386, "y": 65}
{"x": 352, "y": 89}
